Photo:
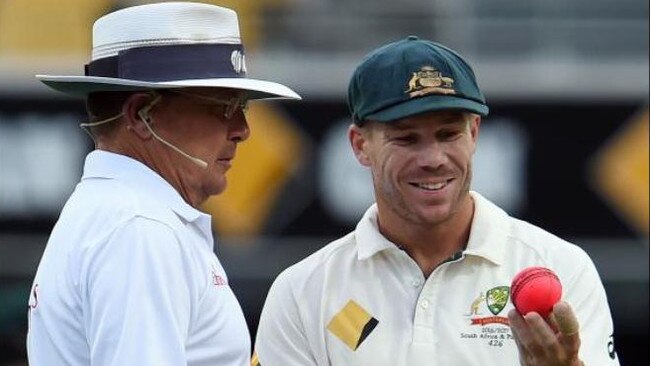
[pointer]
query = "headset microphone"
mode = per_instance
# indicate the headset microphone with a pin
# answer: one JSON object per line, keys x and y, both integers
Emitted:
{"x": 144, "y": 115}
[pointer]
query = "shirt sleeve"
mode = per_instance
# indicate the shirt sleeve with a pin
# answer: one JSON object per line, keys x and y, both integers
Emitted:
{"x": 137, "y": 297}
{"x": 281, "y": 339}
{"x": 586, "y": 295}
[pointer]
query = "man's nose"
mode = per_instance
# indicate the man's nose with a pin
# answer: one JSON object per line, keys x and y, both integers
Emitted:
{"x": 432, "y": 156}
{"x": 238, "y": 128}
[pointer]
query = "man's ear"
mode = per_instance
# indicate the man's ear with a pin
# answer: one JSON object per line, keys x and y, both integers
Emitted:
{"x": 358, "y": 138}
{"x": 135, "y": 114}
{"x": 474, "y": 128}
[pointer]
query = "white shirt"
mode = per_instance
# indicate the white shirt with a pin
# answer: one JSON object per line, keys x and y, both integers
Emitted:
{"x": 129, "y": 277}
{"x": 362, "y": 301}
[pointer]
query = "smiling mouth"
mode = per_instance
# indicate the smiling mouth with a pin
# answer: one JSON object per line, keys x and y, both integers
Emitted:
{"x": 432, "y": 187}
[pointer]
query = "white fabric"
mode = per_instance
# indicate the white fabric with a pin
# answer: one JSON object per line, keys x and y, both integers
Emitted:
{"x": 163, "y": 24}
{"x": 436, "y": 321}
{"x": 129, "y": 277}
{"x": 144, "y": 25}
{"x": 274, "y": 90}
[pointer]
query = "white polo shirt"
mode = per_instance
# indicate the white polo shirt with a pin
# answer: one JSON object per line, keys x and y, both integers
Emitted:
{"x": 362, "y": 301}
{"x": 129, "y": 277}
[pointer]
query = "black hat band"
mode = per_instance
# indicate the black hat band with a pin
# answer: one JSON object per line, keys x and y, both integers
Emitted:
{"x": 172, "y": 63}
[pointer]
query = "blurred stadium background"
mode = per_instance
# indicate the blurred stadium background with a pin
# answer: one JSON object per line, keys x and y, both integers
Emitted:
{"x": 565, "y": 145}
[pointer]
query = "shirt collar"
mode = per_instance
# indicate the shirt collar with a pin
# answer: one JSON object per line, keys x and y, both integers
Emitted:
{"x": 369, "y": 240}
{"x": 489, "y": 232}
{"x": 487, "y": 237}
{"x": 107, "y": 165}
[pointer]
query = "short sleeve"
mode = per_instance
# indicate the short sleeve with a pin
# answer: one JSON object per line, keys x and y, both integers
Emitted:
{"x": 281, "y": 338}
{"x": 586, "y": 295}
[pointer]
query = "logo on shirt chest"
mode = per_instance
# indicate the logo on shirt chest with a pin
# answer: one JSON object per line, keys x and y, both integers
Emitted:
{"x": 33, "y": 299}
{"x": 485, "y": 319}
{"x": 494, "y": 300}
{"x": 352, "y": 325}
{"x": 217, "y": 279}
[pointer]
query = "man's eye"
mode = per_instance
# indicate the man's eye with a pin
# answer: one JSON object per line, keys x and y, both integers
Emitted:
{"x": 219, "y": 110}
{"x": 404, "y": 139}
{"x": 450, "y": 135}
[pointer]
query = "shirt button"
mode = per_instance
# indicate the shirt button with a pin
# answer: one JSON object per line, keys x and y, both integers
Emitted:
{"x": 416, "y": 283}
{"x": 424, "y": 304}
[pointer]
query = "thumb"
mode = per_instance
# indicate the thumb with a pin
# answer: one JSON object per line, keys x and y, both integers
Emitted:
{"x": 565, "y": 319}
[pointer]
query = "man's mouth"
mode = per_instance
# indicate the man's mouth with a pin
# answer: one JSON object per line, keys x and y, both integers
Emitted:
{"x": 430, "y": 186}
{"x": 225, "y": 161}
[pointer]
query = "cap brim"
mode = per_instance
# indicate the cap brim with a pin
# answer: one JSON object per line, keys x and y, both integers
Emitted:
{"x": 425, "y": 104}
{"x": 81, "y": 86}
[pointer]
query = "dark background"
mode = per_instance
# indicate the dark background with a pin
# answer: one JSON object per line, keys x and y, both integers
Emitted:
{"x": 563, "y": 139}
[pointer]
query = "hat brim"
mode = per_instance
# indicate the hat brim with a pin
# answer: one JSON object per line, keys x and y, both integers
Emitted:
{"x": 429, "y": 103}
{"x": 81, "y": 86}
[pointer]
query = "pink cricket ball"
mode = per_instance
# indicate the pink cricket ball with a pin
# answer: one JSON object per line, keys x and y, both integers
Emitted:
{"x": 535, "y": 289}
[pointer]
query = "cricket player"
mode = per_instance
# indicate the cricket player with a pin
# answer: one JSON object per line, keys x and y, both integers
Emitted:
{"x": 424, "y": 279}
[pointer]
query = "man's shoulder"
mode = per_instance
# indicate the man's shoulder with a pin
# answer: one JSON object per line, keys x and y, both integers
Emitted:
{"x": 120, "y": 201}
{"x": 526, "y": 235}
{"x": 98, "y": 209}
{"x": 314, "y": 266}
{"x": 543, "y": 242}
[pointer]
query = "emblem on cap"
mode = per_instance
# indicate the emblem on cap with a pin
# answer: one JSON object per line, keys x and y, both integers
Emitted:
{"x": 238, "y": 61}
{"x": 429, "y": 81}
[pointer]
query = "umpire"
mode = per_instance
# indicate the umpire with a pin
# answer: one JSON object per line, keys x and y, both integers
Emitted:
{"x": 129, "y": 276}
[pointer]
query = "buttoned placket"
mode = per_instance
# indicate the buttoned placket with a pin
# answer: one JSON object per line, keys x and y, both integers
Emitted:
{"x": 426, "y": 305}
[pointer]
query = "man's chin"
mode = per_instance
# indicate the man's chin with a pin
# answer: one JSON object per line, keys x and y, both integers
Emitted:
{"x": 434, "y": 215}
{"x": 216, "y": 187}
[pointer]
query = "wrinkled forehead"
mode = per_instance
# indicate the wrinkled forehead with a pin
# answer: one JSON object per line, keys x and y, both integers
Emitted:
{"x": 430, "y": 119}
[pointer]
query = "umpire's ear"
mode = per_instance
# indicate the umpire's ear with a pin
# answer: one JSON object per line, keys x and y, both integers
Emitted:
{"x": 358, "y": 137}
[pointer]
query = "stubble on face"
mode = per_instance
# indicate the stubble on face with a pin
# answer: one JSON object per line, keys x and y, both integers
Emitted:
{"x": 388, "y": 194}
{"x": 393, "y": 191}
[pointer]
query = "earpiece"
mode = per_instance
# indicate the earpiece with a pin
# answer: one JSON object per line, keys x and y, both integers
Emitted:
{"x": 146, "y": 119}
{"x": 144, "y": 115}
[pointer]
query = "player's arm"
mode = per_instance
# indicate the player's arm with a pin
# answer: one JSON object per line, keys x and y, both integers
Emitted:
{"x": 137, "y": 296}
{"x": 281, "y": 339}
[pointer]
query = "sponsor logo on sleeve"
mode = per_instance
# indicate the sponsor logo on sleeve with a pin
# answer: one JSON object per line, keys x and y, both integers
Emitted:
{"x": 218, "y": 280}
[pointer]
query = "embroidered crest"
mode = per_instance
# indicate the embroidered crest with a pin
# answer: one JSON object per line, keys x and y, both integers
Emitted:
{"x": 497, "y": 298}
{"x": 491, "y": 329}
{"x": 429, "y": 81}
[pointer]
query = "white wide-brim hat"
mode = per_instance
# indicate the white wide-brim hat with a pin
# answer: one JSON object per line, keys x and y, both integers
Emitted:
{"x": 167, "y": 45}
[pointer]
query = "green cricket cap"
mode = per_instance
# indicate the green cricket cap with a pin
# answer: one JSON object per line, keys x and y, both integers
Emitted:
{"x": 410, "y": 77}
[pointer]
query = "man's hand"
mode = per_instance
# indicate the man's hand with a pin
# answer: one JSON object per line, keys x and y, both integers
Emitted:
{"x": 542, "y": 343}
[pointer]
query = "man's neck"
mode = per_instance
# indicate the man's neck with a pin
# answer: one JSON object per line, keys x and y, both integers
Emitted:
{"x": 162, "y": 166}
{"x": 431, "y": 245}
